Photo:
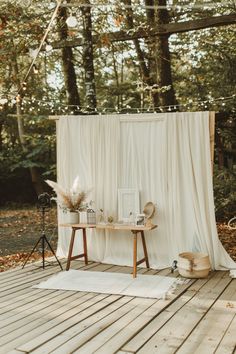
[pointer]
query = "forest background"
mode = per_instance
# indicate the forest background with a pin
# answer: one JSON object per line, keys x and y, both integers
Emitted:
{"x": 124, "y": 56}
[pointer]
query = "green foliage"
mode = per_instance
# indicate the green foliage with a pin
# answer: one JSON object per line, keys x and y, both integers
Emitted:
{"x": 225, "y": 193}
{"x": 40, "y": 143}
{"x": 39, "y": 151}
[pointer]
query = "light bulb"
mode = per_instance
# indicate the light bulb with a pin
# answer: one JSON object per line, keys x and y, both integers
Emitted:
{"x": 3, "y": 100}
{"x": 35, "y": 69}
{"x": 33, "y": 53}
{"x": 51, "y": 5}
{"x": 24, "y": 88}
{"x": 18, "y": 98}
{"x": 71, "y": 21}
{"x": 48, "y": 47}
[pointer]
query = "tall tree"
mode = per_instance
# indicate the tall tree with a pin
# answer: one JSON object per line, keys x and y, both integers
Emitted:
{"x": 147, "y": 67}
{"x": 88, "y": 58}
{"x": 163, "y": 58}
{"x": 72, "y": 92}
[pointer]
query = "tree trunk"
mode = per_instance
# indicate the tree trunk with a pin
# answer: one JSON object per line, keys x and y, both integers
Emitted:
{"x": 90, "y": 91}
{"x": 1, "y": 135}
{"x": 148, "y": 72}
{"x": 37, "y": 181}
{"x": 72, "y": 92}
{"x": 151, "y": 41}
{"x": 163, "y": 59}
{"x": 220, "y": 150}
{"x": 20, "y": 123}
{"x": 140, "y": 54}
{"x": 119, "y": 100}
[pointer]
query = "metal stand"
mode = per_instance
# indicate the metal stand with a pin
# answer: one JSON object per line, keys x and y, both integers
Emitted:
{"x": 44, "y": 241}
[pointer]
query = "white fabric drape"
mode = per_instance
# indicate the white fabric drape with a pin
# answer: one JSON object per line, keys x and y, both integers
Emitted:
{"x": 167, "y": 157}
{"x": 89, "y": 148}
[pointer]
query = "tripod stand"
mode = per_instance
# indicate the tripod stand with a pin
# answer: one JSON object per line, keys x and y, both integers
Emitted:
{"x": 44, "y": 242}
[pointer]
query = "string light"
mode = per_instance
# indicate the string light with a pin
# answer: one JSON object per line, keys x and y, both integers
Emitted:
{"x": 48, "y": 47}
{"x": 44, "y": 103}
{"x": 35, "y": 69}
{"x": 23, "y": 87}
{"x": 33, "y": 53}
{"x": 18, "y": 98}
{"x": 177, "y": 7}
{"x": 71, "y": 21}
{"x": 3, "y": 101}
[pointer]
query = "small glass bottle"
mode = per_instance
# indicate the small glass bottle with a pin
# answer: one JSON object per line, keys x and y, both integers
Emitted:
{"x": 101, "y": 219}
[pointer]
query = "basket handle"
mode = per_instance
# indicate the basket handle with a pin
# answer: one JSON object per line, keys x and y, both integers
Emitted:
{"x": 191, "y": 265}
{"x": 231, "y": 221}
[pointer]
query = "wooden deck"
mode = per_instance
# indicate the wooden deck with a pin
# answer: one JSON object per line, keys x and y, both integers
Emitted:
{"x": 199, "y": 318}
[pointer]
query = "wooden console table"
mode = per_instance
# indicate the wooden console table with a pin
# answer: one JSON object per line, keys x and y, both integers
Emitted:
{"x": 135, "y": 231}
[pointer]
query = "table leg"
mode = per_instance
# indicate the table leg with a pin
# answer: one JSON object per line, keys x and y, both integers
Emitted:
{"x": 145, "y": 249}
{"x": 70, "y": 249}
{"x": 85, "y": 246}
{"x": 135, "y": 255}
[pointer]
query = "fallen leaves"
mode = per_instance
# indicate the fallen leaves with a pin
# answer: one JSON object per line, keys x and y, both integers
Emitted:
{"x": 230, "y": 305}
{"x": 18, "y": 259}
{"x": 19, "y": 231}
{"x": 228, "y": 238}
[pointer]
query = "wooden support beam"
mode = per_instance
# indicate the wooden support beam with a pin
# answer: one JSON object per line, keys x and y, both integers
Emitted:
{"x": 164, "y": 29}
{"x": 194, "y": 25}
{"x": 212, "y": 136}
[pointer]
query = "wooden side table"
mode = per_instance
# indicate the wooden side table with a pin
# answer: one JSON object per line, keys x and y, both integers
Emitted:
{"x": 135, "y": 231}
{"x": 135, "y": 243}
{"x": 74, "y": 228}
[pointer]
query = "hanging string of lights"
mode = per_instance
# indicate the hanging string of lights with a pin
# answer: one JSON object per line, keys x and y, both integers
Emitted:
{"x": 141, "y": 6}
{"x": 64, "y": 108}
{"x": 37, "y": 51}
{"x": 33, "y": 105}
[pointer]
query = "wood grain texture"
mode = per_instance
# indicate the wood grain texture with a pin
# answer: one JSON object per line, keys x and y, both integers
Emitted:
{"x": 198, "y": 317}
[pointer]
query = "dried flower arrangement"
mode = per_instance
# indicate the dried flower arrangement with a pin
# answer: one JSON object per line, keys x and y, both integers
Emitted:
{"x": 72, "y": 200}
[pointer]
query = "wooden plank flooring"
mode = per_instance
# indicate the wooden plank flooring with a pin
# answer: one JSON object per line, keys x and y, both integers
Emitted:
{"x": 199, "y": 317}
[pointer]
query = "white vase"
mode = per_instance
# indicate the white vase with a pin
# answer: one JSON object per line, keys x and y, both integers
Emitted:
{"x": 73, "y": 217}
{"x": 83, "y": 217}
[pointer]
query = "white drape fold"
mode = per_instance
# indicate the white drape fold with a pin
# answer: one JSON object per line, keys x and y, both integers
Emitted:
{"x": 88, "y": 147}
{"x": 167, "y": 157}
{"x": 190, "y": 190}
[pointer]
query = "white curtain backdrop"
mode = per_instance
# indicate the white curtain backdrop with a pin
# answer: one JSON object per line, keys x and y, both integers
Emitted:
{"x": 167, "y": 157}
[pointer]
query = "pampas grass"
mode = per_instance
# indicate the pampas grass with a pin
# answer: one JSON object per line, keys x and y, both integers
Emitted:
{"x": 72, "y": 200}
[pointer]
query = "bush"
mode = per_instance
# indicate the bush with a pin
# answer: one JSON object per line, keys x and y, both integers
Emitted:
{"x": 224, "y": 193}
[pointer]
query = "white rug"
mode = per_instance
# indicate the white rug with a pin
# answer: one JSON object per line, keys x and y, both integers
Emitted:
{"x": 150, "y": 286}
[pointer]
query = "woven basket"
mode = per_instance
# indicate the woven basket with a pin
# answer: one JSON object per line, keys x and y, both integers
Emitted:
{"x": 194, "y": 265}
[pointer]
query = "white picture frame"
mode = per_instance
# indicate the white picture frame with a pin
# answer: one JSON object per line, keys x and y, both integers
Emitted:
{"x": 128, "y": 202}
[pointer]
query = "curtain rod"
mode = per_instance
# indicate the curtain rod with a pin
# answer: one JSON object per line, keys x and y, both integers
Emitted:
{"x": 138, "y": 117}
{"x": 125, "y": 118}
